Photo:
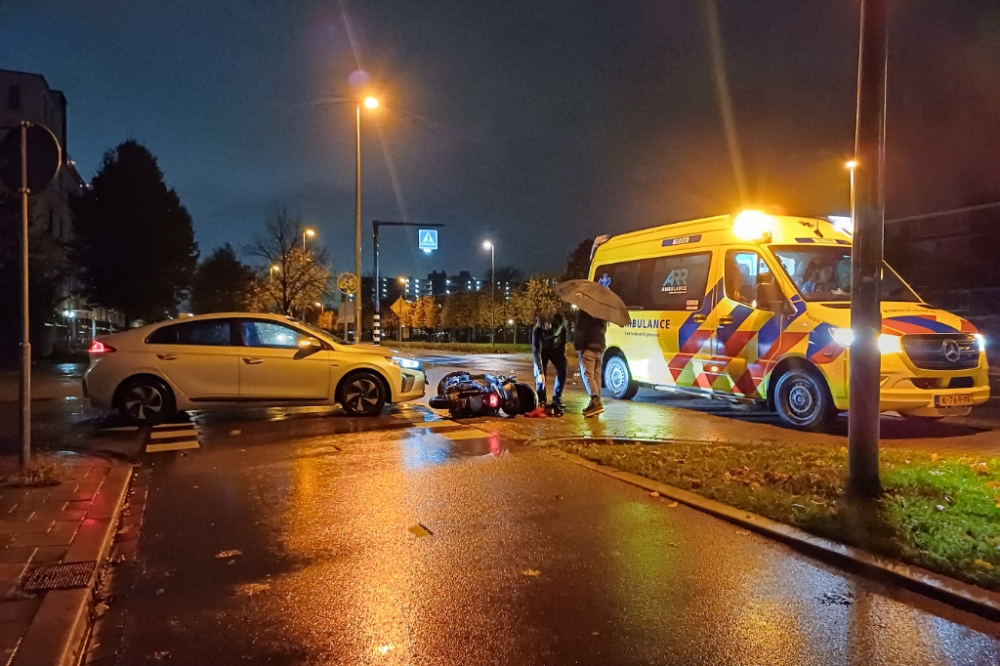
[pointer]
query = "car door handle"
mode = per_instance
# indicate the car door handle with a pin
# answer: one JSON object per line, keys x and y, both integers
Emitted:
{"x": 699, "y": 318}
{"x": 252, "y": 361}
{"x": 725, "y": 320}
{"x": 167, "y": 357}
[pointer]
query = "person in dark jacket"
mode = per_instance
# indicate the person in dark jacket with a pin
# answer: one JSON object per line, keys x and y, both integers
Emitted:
{"x": 589, "y": 342}
{"x": 548, "y": 345}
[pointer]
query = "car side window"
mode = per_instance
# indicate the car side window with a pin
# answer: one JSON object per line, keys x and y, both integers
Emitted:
{"x": 208, "y": 333}
{"x": 271, "y": 334}
{"x": 744, "y": 271}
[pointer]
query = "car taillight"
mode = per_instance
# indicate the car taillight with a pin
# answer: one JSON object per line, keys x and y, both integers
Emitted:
{"x": 493, "y": 401}
{"x": 98, "y": 347}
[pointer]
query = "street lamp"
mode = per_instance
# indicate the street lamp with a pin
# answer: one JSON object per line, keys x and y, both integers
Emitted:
{"x": 851, "y": 166}
{"x": 307, "y": 232}
{"x": 369, "y": 103}
{"x": 488, "y": 245}
{"x": 275, "y": 268}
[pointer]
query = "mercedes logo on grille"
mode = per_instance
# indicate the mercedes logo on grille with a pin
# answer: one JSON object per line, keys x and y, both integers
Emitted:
{"x": 951, "y": 350}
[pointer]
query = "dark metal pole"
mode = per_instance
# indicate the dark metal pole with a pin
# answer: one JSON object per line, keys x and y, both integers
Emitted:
{"x": 25, "y": 393}
{"x": 378, "y": 290}
{"x": 866, "y": 267}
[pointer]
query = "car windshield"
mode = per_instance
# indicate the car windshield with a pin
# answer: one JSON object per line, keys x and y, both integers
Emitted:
{"x": 823, "y": 273}
{"x": 320, "y": 333}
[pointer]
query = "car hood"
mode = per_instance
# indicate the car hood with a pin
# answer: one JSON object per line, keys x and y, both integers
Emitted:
{"x": 900, "y": 318}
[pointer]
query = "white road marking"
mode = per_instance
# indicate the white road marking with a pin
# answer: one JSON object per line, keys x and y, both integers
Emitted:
{"x": 173, "y": 446}
{"x": 167, "y": 434}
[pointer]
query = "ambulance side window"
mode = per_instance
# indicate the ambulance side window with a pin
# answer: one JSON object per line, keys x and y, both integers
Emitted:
{"x": 744, "y": 271}
{"x": 623, "y": 279}
{"x": 677, "y": 282}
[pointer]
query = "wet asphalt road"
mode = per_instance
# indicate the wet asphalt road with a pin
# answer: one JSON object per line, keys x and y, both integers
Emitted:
{"x": 529, "y": 560}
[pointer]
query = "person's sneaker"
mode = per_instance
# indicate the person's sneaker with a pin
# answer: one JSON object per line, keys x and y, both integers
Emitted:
{"x": 557, "y": 408}
{"x": 593, "y": 409}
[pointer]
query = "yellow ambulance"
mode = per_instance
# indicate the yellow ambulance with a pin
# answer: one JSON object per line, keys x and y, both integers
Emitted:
{"x": 756, "y": 308}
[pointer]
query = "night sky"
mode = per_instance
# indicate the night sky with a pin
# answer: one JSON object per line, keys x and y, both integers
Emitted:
{"x": 534, "y": 124}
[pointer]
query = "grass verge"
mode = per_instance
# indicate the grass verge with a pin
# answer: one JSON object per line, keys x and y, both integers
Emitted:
{"x": 940, "y": 513}
{"x": 39, "y": 474}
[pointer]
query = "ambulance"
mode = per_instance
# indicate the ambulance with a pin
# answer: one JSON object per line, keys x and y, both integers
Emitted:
{"x": 756, "y": 308}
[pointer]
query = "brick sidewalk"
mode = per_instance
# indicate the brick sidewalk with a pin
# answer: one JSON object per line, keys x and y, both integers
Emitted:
{"x": 68, "y": 523}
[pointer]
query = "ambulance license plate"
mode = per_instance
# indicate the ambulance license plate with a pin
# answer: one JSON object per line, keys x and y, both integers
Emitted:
{"x": 953, "y": 400}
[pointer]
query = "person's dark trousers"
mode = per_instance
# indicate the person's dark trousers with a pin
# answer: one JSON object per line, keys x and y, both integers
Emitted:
{"x": 558, "y": 362}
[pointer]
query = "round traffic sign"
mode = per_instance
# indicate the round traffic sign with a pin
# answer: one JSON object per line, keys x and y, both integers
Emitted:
{"x": 44, "y": 158}
{"x": 347, "y": 283}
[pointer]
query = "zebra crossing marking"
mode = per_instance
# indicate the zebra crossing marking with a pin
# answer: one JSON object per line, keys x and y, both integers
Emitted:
{"x": 172, "y": 437}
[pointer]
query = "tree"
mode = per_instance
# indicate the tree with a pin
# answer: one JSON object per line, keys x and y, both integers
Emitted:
{"x": 291, "y": 278}
{"x": 505, "y": 275}
{"x": 535, "y": 298}
{"x": 578, "y": 263}
{"x": 133, "y": 240}
{"x": 46, "y": 272}
{"x": 223, "y": 283}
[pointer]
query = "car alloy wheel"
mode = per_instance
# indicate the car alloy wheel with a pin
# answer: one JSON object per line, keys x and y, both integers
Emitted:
{"x": 803, "y": 400}
{"x": 144, "y": 403}
{"x": 363, "y": 395}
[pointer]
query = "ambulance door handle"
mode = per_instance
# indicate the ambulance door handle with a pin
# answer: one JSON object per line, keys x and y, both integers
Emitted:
{"x": 699, "y": 318}
{"x": 725, "y": 320}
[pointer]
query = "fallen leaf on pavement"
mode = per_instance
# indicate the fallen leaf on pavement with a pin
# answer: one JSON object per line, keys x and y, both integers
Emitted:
{"x": 251, "y": 589}
{"x": 654, "y": 494}
{"x": 235, "y": 432}
{"x": 743, "y": 532}
{"x": 419, "y": 530}
{"x": 100, "y": 609}
{"x": 934, "y": 456}
{"x": 672, "y": 505}
{"x": 226, "y": 554}
{"x": 531, "y": 572}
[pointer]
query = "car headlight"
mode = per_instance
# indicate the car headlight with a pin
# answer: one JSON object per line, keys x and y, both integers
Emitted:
{"x": 408, "y": 363}
{"x": 887, "y": 344}
{"x": 981, "y": 339}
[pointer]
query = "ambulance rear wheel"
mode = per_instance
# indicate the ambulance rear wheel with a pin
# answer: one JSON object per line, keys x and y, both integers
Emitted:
{"x": 618, "y": 378}
{"x": 803, "y": 400}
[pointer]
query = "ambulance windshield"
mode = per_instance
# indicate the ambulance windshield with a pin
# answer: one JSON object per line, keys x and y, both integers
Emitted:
{"x": 823, "y": 273}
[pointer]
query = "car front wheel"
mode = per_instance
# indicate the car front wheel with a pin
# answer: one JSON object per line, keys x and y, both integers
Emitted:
{"x": 803, "y": 400}
{"x": 146, "y": 401}
{"x": 618, "y": 378}
{"x": 362, "y": 394}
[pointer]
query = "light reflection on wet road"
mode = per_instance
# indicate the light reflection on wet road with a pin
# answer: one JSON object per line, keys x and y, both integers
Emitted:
{"x": 330, "y": 574}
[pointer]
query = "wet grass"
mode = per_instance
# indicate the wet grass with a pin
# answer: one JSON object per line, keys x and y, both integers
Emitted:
{"x": 938, "y": 512}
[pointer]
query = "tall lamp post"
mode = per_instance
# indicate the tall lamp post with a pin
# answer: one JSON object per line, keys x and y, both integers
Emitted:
{"x": 368, "y": 103}
{"x": 488, "y": 245}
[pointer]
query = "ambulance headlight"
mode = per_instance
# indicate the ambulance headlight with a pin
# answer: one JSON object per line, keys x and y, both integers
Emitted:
{"x": 887, "y": 344}
{"x": 981, "y": 341}
{"x": 842, "y": 336}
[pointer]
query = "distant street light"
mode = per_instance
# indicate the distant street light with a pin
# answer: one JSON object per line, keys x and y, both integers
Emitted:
{"x": 371, "y": 103}
{"x": 488, "y": 245}
{"x": 311, "y": 233}
{"x": 275, "y": 268}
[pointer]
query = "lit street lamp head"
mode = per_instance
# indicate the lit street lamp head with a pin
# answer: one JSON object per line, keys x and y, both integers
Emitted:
{"x": 275, "y": 267}
{"x": 853, "y": 164}
{"x": 370, "y": 103}
{"x": 310, "y": 232}
{"x": 487, "y": 245}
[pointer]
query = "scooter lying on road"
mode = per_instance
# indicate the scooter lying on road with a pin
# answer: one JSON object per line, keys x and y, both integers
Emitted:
{"x": 464, "y": 395}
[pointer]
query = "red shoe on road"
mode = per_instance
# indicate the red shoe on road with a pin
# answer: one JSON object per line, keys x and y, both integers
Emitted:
{"x": 537, "y": 413}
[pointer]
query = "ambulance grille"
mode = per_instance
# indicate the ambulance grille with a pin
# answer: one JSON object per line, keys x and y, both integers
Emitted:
{"x": 942, "y": 352}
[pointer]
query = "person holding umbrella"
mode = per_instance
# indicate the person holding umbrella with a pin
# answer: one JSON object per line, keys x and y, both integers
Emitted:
{"x": 598, "y": 305}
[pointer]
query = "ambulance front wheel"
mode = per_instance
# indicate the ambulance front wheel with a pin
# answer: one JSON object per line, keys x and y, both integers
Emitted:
{"x": 618, "y": 379}
{"x": 803, "y": 400}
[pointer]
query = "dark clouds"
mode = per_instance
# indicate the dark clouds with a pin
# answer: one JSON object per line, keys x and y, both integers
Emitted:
{"x": 532, "y": 123}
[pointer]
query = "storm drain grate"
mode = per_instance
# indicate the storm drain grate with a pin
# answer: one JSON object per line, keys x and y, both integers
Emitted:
{"x": 60, "y": 576}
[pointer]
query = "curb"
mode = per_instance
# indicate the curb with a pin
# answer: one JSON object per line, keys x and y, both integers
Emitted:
{"x": 936, "y": 586}
{"x": 58, "y": 633}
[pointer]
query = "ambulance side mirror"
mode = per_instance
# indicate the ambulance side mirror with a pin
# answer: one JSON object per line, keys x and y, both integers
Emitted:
{"x": 770, "y": 298}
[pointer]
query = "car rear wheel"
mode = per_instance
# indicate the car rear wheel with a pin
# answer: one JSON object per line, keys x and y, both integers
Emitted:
{"x": 618, "y": 378}
{"x": 803, "y": 400}
{"x": 146, "y": 401}
{"x": 362, "y": 394}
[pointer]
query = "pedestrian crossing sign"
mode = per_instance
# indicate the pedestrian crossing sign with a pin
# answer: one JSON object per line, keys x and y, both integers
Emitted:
{"x": 428, "y": 239}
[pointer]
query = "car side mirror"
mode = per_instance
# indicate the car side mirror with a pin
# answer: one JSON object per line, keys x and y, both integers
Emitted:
{"x": 770, "y": 298}
{"x": 308, "y": 346}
